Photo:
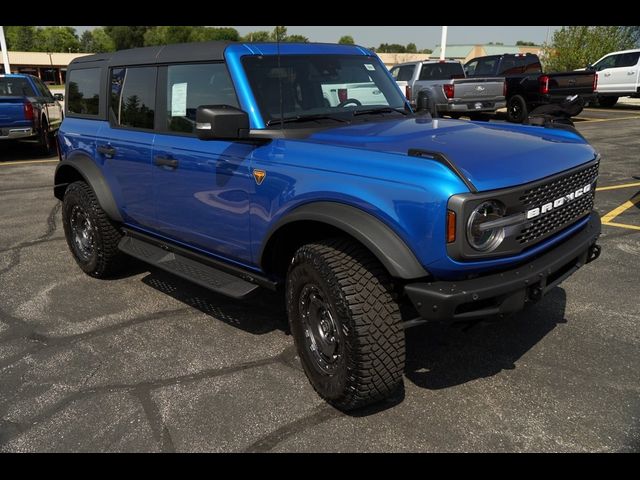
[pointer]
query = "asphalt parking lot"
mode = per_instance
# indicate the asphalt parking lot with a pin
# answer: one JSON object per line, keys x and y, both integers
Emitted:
{"x": 147, "y": 362}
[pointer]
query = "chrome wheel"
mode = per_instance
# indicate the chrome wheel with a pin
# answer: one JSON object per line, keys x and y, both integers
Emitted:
{"x": 320, "y": 330}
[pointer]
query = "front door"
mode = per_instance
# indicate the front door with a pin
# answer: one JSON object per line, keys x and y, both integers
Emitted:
{"x": 201, "y": 187}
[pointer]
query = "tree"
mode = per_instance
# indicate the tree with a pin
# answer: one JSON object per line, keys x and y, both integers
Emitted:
{"x": 577, "y": 46}
{"x": 58, "y": 39}
{"x": 296, "y": 38}
{"x": 411, "y": 48}
{"x": 203, "y": 34}
{"x": 391, "y": 48}
{"x": 259, "y": 36}
{"x": 126, "y": 36}
{"x": 522, "y": 43}
{"x": 22, "y": 39}
{"x": 346, "y": 40}
{"x": 426, "y": 50}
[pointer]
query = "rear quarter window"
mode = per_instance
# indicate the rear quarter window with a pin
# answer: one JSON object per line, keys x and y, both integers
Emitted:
{"x": 83, "y": 92}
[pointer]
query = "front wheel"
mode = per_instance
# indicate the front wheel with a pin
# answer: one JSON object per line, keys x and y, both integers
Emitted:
{"x": 517, "y": 110}
{"x": 345, "y": 323}
{"x": 607, "y": 102}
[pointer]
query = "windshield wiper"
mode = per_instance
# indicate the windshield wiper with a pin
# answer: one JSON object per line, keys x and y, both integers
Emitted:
{"x": 305, "y": 118}
{"x": 365, "y": 111}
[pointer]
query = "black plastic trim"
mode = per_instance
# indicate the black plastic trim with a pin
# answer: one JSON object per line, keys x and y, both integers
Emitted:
{"x": 169, "y": 246}
{"x": 442, "y": 158}
{"x": 507, "y": 292}
{"x": 85, "y": 166}
{"x": 381, "y": 240}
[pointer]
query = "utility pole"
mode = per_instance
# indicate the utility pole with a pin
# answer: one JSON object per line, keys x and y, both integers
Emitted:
{"x": 443, "y": 43}
{"x": 5, "y": 54}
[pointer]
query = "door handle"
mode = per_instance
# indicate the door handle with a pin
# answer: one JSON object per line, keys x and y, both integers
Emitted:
{"x": 630, "y": 73}
{"x": 107, "y": 150}
{"x": 163, "y": 161}
{"x": 607, "y": 74}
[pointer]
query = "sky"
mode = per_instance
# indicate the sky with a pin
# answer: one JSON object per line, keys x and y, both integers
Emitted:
{"x": 423, "y": 37}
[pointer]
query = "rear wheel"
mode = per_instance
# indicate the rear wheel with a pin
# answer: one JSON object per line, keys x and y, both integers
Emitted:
{"x": 517, "y": 110}
{"x": 91, "y": 235}
{"x": 607, "y": 102}
{"x": 345, "y": 323}
{"x": 45, "y": 141}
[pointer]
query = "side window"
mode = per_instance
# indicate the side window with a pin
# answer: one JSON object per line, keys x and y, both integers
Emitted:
{"x": 406, "y": 73}
{"x": 606, "y": 62}
{"x": 43, "y": 90}
{"x": 133, "y": 96}
{"x": 470, "y": 68}
{"x": 533, "y": 66}
{"x": 628, "y": 59}
{"x": 83, "y": 95}
{"x": 511, "y": 65}
{"x": 189, "y": 86}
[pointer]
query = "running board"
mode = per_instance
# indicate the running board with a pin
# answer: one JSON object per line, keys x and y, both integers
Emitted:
{"x": 187, "y": 268}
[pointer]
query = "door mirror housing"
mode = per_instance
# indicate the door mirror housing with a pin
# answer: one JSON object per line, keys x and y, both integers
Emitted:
{"x": 221, "y": 122}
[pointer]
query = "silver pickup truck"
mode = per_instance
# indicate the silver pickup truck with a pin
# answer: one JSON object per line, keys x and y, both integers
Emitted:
{"x": 449, "y": 92}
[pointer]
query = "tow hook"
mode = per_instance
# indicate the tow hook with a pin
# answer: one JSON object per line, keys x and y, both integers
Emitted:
{"x": 594, "y": 252}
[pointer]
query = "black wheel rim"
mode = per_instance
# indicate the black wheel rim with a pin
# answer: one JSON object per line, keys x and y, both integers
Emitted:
{"x": 515, "y": 110}
{"x": 320, "y": 330}
{"x": 82, "y": 233}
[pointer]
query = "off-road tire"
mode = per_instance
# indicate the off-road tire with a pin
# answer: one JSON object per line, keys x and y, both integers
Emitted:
{"x": 104, "y": 259}
{"x": 358, "y": 294}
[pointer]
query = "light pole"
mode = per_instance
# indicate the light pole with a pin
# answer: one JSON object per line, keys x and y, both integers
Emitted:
{"x": 5, "y": 54}
{"x": 443, "y": 43}
{"x": 53, "y": 75}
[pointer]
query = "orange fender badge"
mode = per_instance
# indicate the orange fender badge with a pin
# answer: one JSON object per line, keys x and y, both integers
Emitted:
{"x": 259, "y": 175}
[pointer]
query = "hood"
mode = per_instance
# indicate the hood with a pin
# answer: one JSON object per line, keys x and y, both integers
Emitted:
{"x": 490, "y": 155}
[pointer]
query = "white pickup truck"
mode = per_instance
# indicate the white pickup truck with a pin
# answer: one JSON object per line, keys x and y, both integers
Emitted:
{"x": 618, "y": 76}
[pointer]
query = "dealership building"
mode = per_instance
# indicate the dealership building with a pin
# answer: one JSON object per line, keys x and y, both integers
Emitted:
{"x": 51, "y": 68}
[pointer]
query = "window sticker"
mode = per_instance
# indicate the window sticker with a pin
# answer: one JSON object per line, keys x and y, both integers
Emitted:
{"x": 179, "y": 100}
{"x": 370, "y": 67}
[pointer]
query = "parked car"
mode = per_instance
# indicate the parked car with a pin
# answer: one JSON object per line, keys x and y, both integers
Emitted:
{"x": 221, "y": 163}
{"x": 618, "y": 76}
{"x": 28, "y": 110}
{"x": 527, "y": 86}
{"x": 447, "y": 89}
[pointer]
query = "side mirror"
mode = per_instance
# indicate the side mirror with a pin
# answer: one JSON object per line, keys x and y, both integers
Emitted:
{"x": 221, "y": 122}
{"x": 58, "y": 96}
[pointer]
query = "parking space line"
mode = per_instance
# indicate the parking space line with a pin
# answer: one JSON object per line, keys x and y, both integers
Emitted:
{"x": 594, "y": 110}
{"x": 615, "y": 187}
{"x": 15, "y": 164}
{"x": 594, "y": 120}
{"x": 607, "y": 219}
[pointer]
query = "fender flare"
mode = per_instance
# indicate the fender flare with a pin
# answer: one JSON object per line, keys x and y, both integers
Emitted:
{"x": 380, "y": 239}
{"x": 85, "y": 166}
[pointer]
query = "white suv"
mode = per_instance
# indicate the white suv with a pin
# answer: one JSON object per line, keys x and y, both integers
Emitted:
{"x": 618, "y": 76}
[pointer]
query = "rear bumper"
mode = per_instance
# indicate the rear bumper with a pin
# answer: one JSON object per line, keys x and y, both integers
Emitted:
{"x": 471, "y": 106}
{"x": 16, "y": 132}
{"x": 506, "y": 292}
{"x": 552, "y": 98}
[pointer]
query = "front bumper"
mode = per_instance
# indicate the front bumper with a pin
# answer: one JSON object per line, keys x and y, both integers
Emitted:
{"x": 506, "y": 292}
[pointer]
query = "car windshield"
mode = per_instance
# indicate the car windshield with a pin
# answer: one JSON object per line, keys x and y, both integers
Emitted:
{"x": 320, "y": 86}
{"x": 15, "y": 87}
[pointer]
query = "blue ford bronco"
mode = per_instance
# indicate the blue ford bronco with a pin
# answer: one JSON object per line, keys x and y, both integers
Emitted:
{"x": 302, "y": 169}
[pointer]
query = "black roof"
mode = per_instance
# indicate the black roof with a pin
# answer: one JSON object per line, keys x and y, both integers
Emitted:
{"x": 179, "y": 52}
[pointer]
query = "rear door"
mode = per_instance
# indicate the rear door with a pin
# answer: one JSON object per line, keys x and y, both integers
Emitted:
{"x": 127, "y": 140}
{"x": 202, "y": 187}
{"x": 626, "y": 72}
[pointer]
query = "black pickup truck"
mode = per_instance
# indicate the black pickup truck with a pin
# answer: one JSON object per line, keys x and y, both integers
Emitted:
{"x": 527, "y": 86}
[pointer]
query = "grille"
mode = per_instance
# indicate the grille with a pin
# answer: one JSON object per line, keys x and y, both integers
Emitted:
{"x": 559, "y": 187}
{"x": 556, "y": 219}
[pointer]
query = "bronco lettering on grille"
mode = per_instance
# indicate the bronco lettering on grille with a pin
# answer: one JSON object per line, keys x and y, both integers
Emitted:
{"x": 547, "y": 207}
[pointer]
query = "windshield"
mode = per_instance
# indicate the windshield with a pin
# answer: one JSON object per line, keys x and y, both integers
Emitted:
{"x": 15, "y": 87}
{"x": 319, "y": 85}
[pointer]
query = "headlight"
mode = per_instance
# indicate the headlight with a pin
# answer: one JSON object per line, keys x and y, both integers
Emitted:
{"x": 481, "y": 236}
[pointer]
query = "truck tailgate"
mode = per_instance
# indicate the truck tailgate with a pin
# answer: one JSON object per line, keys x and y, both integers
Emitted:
{"x": 471, "y": 89}
{"x": 571, "y": 83}
{"x": 11, "y": 111}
